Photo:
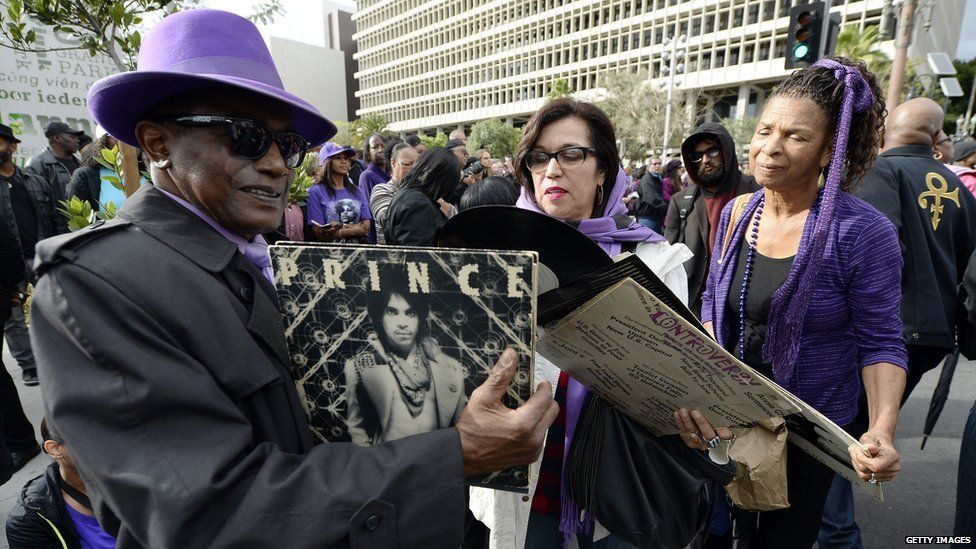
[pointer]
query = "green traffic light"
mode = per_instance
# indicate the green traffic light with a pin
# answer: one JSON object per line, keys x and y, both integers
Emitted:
{"x": 801, "y": 50}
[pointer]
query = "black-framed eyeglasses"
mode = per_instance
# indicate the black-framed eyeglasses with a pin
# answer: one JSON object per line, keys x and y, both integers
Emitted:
{"x": 248, "y": 138}
{"x": 538, "y": 161}
{"x": 711, "y": 152}
{"x": 941, "y": 141}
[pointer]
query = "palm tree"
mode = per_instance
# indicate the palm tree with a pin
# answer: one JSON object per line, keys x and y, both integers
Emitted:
{"x": 854, "y": 43}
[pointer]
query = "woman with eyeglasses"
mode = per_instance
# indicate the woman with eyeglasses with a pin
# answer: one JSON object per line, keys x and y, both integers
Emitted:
{"x": 417, "y": 211}
{"x": 805, "y": 284}
{"x": 401, "y": 159}
{"x": 568, "y": 166}
{"x": 338, "y": 210}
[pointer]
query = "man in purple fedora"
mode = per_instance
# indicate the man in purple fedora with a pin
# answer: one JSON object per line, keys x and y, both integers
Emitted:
{"x": 162, "y": 353}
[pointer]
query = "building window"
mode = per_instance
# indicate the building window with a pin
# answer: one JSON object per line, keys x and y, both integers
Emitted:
{"x": 753, "y": 14}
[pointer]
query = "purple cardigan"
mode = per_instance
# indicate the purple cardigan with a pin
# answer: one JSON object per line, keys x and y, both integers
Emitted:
{"x": 854, "y": 318}
{"x": 371, "y": 177}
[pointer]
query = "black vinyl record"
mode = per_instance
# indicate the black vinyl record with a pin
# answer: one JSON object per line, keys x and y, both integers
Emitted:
{"x": 563, "y": 249}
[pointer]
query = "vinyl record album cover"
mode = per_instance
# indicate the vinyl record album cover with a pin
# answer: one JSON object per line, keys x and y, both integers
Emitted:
{"x": 390, "y": 342}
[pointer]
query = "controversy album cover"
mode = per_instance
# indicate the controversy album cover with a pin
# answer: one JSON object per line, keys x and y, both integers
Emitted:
{"x": 389, "y": 342}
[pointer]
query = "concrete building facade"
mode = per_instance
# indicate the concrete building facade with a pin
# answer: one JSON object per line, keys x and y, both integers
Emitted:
{"x": 313, "y": 71}
{"x": 440, "y": 64}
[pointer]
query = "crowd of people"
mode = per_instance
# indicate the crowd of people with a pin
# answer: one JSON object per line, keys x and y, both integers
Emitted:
{"x": 831, "y": 265}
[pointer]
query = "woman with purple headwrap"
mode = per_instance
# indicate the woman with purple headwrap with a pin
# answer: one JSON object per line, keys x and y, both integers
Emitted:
{"x": 805, "y": 282}
{"x": 568, "y": 165}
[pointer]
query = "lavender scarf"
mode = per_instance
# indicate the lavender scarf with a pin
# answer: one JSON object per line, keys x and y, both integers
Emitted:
{"x": 790, "y": 302}
{"x": 605, "y": 232}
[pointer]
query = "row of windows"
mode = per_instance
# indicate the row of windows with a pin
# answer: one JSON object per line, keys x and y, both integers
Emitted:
{"x": 396, "y": 48}
{"x": 710, "y": 58}
{"x": 437, "y": 76}
{"x": 422, "y": 54}
{"x": 389, "y": 22}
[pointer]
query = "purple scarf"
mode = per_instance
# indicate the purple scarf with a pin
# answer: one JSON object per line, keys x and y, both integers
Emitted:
{"x": 790, "y": 302}
{"x": 605, "y": 232}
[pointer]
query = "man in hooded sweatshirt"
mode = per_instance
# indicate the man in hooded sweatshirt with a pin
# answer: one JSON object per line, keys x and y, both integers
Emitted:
{"x": 714, "y": 177}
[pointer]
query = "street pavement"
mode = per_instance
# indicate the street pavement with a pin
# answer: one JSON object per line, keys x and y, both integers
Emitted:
{"x": 920, "y": 502}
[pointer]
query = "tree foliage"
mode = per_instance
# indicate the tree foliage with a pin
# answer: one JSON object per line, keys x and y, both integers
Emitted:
{"x": 741, "y": 131}
{"x": 498, "y": 137}
{"x": 304, "y": 179}
{"x": 355, "y": 133}
{"x": 560, "y": 89}
{"x": 865, "y": 45}
{"x": 637, "y": 110}
{"x": 438, "y": 140}
{"x": 965, "y": 73}
{"x": 111, "y": 27}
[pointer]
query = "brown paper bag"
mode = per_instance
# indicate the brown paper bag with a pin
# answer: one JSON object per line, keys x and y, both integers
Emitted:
{"x": 760, "y": 456}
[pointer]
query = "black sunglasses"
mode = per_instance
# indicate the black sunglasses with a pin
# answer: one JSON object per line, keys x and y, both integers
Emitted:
{"x": 248, "y": 138}
{"x": 711, "y": 152}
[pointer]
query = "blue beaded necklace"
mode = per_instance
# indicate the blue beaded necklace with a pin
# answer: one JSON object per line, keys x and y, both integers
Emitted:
{"x": 750, "y": 260}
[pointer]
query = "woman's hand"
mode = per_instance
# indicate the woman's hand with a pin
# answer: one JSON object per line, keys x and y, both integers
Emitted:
{"x": 326, "y": 233}
{"x": 697, "y": 432}
{"x": 883, "y": 463}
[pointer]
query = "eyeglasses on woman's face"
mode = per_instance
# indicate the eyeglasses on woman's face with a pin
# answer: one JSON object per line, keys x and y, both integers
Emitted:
{"x": 248, "y": 138}
{"x": 697, "y": 156}
{"x": 569, "y": 157}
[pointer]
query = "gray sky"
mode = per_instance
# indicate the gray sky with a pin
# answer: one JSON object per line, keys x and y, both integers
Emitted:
{"x": 967, "y": 41}
{"x": 301, "y": 21}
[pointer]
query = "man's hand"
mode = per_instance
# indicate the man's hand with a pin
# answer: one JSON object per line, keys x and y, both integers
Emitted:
{"x": 883, "y": 461}
{"x": 495, "y": 437}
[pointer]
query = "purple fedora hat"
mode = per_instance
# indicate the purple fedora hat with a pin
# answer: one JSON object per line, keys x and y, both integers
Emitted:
{"x": 197, "y": 49}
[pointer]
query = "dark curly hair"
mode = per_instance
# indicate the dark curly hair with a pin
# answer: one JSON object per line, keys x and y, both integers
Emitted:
{"x": 603, "y": 139}
{"x": 820, "y": 85}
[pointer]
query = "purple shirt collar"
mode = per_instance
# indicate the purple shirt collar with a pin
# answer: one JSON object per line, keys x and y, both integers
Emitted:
{"x": 248, "y": 249}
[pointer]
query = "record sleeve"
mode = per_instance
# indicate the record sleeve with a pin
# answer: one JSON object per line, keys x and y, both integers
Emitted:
{"x": 563, "y": 250}
{"x": 389, "y": 342}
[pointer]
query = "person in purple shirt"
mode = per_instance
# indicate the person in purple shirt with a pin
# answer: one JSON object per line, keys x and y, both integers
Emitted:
{"x": 53, "y": 509}
{"x": 338, "y": 209}
{"x": 805, "y": 282}
{"x": 377, "y": 171}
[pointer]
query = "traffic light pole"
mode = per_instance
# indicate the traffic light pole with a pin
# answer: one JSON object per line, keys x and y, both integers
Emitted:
{"x": 903, "y": 39}
{"x": 825, "y": 28}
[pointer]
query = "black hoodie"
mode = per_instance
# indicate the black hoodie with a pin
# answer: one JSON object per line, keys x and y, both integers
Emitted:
{"x": 715, "y": 131}
{"x": 694, "y": 212}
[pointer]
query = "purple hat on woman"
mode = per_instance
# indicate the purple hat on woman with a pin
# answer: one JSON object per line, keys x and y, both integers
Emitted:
{"x": 331, "y": 149}
{"x": 197, "y": 49}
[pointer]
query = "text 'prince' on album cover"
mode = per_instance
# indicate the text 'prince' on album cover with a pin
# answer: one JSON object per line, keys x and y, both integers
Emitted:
{"x": 390, "y": 342}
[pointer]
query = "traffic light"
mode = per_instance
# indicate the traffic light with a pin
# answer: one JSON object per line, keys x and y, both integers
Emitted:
{"x": 803, "y": 37}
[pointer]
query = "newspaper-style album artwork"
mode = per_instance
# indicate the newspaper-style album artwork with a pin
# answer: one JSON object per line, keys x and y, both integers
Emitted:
{"x": 390, "y": 342}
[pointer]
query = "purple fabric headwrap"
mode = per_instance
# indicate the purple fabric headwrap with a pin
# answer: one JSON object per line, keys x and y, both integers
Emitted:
{"x": 603, "y": 231}
{"x": 790, "y": 302}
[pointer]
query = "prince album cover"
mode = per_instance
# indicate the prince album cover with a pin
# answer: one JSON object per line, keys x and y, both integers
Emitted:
{"x": 390, "y": 342}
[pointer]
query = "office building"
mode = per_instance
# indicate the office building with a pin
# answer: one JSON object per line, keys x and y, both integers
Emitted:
{"x": 441, "y": 64}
